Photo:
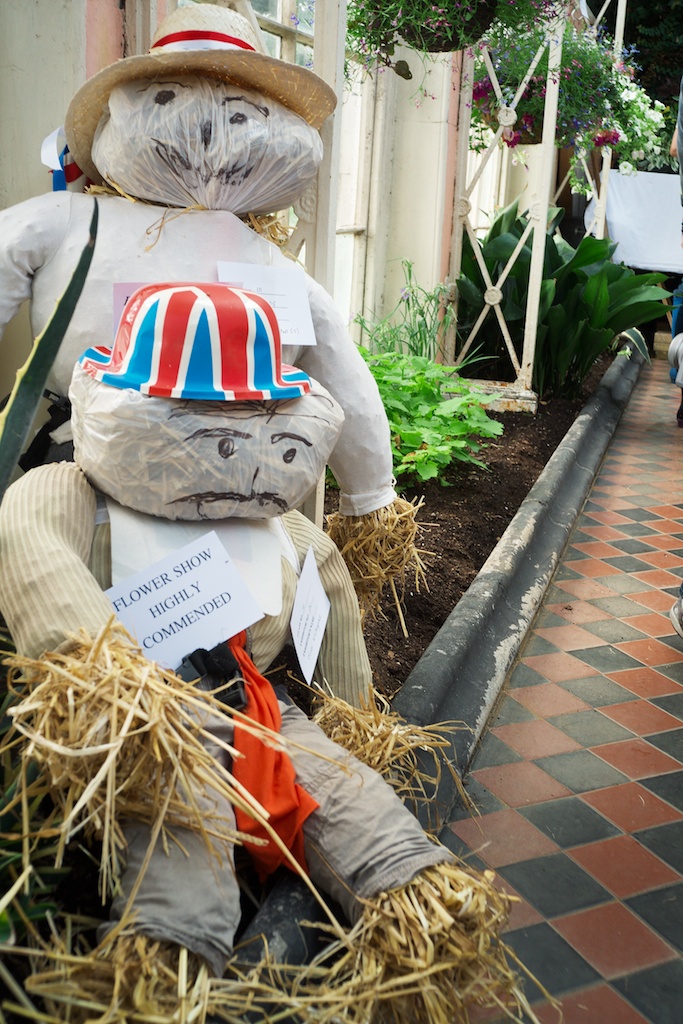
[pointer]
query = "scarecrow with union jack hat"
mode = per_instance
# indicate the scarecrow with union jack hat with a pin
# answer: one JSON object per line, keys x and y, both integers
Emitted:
{"x": 205, "y": 129}
{"x": 162, "y": 435}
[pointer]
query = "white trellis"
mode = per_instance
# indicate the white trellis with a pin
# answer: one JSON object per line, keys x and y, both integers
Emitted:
{"x": 517, "y": 394}
{"x": 599, "y": 189}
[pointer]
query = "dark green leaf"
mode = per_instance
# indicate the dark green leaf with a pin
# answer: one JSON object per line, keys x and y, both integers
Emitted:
{"x": 633, "y": 335}
{"x": 470, "y": 292}
{"x": 504, "y": 222}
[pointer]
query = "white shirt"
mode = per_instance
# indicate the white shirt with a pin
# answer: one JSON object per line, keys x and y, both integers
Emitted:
{"x": 41, "y": 241}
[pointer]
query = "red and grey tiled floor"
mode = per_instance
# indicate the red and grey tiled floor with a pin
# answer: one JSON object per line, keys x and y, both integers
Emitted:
{"x": 579, "y": 779}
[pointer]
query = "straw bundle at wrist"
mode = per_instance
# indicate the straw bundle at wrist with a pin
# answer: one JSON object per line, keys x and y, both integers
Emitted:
{"x": 380, "y": 551}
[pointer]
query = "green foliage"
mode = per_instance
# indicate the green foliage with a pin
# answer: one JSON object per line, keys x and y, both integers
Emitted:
{"x": 586, "y": 301}
{"x": 436, "y": 418}
{"x": 415, "y": 325}
{"x": 17, "y": 416}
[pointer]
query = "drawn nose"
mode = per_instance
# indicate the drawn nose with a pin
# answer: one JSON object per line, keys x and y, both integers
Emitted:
{"x": 206, "y": 134}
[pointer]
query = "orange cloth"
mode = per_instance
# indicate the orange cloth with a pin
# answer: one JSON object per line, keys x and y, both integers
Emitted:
{"x": 267, "y": 774}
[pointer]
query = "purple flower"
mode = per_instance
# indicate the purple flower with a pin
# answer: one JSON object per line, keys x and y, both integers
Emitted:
{"x": 482, "y": 89}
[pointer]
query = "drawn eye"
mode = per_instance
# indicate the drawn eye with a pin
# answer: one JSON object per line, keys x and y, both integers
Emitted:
{"x": 238, "y": 119}
{"x": 289, "y": 455}
{"x": 226, "y": 447}
{"x": 164, "y": 96}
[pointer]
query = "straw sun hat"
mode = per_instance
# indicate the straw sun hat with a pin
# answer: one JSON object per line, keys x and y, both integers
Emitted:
{"x": 203, "y": 39}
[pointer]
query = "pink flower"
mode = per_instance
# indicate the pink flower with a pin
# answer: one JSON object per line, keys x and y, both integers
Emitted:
{"x": 606, "y": 137}
{"x": 482, "y": 89}
{"x": 511, "y": 138}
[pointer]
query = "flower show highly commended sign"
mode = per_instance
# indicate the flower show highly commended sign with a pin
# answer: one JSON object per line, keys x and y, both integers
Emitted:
{"x": 192, "y": 598}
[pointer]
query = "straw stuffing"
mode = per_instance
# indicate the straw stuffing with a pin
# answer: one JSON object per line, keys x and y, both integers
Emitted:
{"x": 130, "y": 977}
{"x": 427, "y": 952}
{"x": 115, "y": 736}
{"x": 380, "y": 550}
{"x": 410, "y": 758}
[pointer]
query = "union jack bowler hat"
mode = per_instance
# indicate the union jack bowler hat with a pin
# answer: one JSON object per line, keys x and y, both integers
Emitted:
{"x": 203, "y": 341}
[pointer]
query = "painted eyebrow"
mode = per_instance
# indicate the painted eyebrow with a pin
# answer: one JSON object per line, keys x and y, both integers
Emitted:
{"x": 160, "y": 85}
{"x": 293, "y": 437}
{"x": 218, "y": 432}
{"x": 257, "y": 106}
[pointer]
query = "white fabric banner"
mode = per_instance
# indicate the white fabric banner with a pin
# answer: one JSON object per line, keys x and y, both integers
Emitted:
{"x": 644, "y": 218}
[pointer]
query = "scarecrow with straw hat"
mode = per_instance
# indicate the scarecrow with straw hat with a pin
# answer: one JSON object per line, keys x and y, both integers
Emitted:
{"x": 191, "y": 418}
{"x": 181, "y": 144}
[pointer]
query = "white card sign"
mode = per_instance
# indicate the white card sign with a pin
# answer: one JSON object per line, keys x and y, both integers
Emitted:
{"x": 192, "y": 598}
{"x": 285, "y": 290}
{"x": 309, "y": 616}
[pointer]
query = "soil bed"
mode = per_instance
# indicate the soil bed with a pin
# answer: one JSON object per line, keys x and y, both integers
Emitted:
{"x": 462, "y": 523}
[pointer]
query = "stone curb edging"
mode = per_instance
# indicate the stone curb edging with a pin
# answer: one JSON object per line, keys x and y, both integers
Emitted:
{"x": 461, "y": 674}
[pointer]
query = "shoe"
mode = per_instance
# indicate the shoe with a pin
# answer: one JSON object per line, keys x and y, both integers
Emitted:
{"x": 676, "y": 616}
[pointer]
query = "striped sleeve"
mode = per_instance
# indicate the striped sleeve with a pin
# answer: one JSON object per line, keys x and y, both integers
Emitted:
{"x": 46, "y": 530}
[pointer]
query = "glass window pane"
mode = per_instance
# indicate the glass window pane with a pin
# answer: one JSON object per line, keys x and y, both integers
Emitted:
{"x": 304, "y": 55}
{"x": 270, "y": 8}
{"x": 273, "y": 43}
{"x": 305, "y": 15}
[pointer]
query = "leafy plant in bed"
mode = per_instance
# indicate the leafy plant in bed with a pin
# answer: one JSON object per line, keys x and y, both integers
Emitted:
{"x": 587, "y": 301}
{"x": 436, "y": 418}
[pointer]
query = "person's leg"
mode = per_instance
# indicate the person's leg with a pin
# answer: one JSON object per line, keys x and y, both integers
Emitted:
{"x": 676, "y": 613}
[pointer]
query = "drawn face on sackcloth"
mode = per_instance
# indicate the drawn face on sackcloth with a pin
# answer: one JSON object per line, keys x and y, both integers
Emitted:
{"x": 192, "y": 460}
{"x": 195, "y": 140}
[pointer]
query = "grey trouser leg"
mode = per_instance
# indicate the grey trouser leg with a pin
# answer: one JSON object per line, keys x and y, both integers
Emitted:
{"x": 362, "y": 840}
{"x": 187, "y": 895}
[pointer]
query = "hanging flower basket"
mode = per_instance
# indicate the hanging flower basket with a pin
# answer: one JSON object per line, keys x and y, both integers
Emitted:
{"x": 376, "y": 27}
{"x": 449, "y": 27}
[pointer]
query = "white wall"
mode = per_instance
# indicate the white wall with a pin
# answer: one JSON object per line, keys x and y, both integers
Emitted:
{"x": 524, "y": 179}
{"x": 418, "y": 175}
{"x": 394, "y": 184}
{"x": 42, "y": 47}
